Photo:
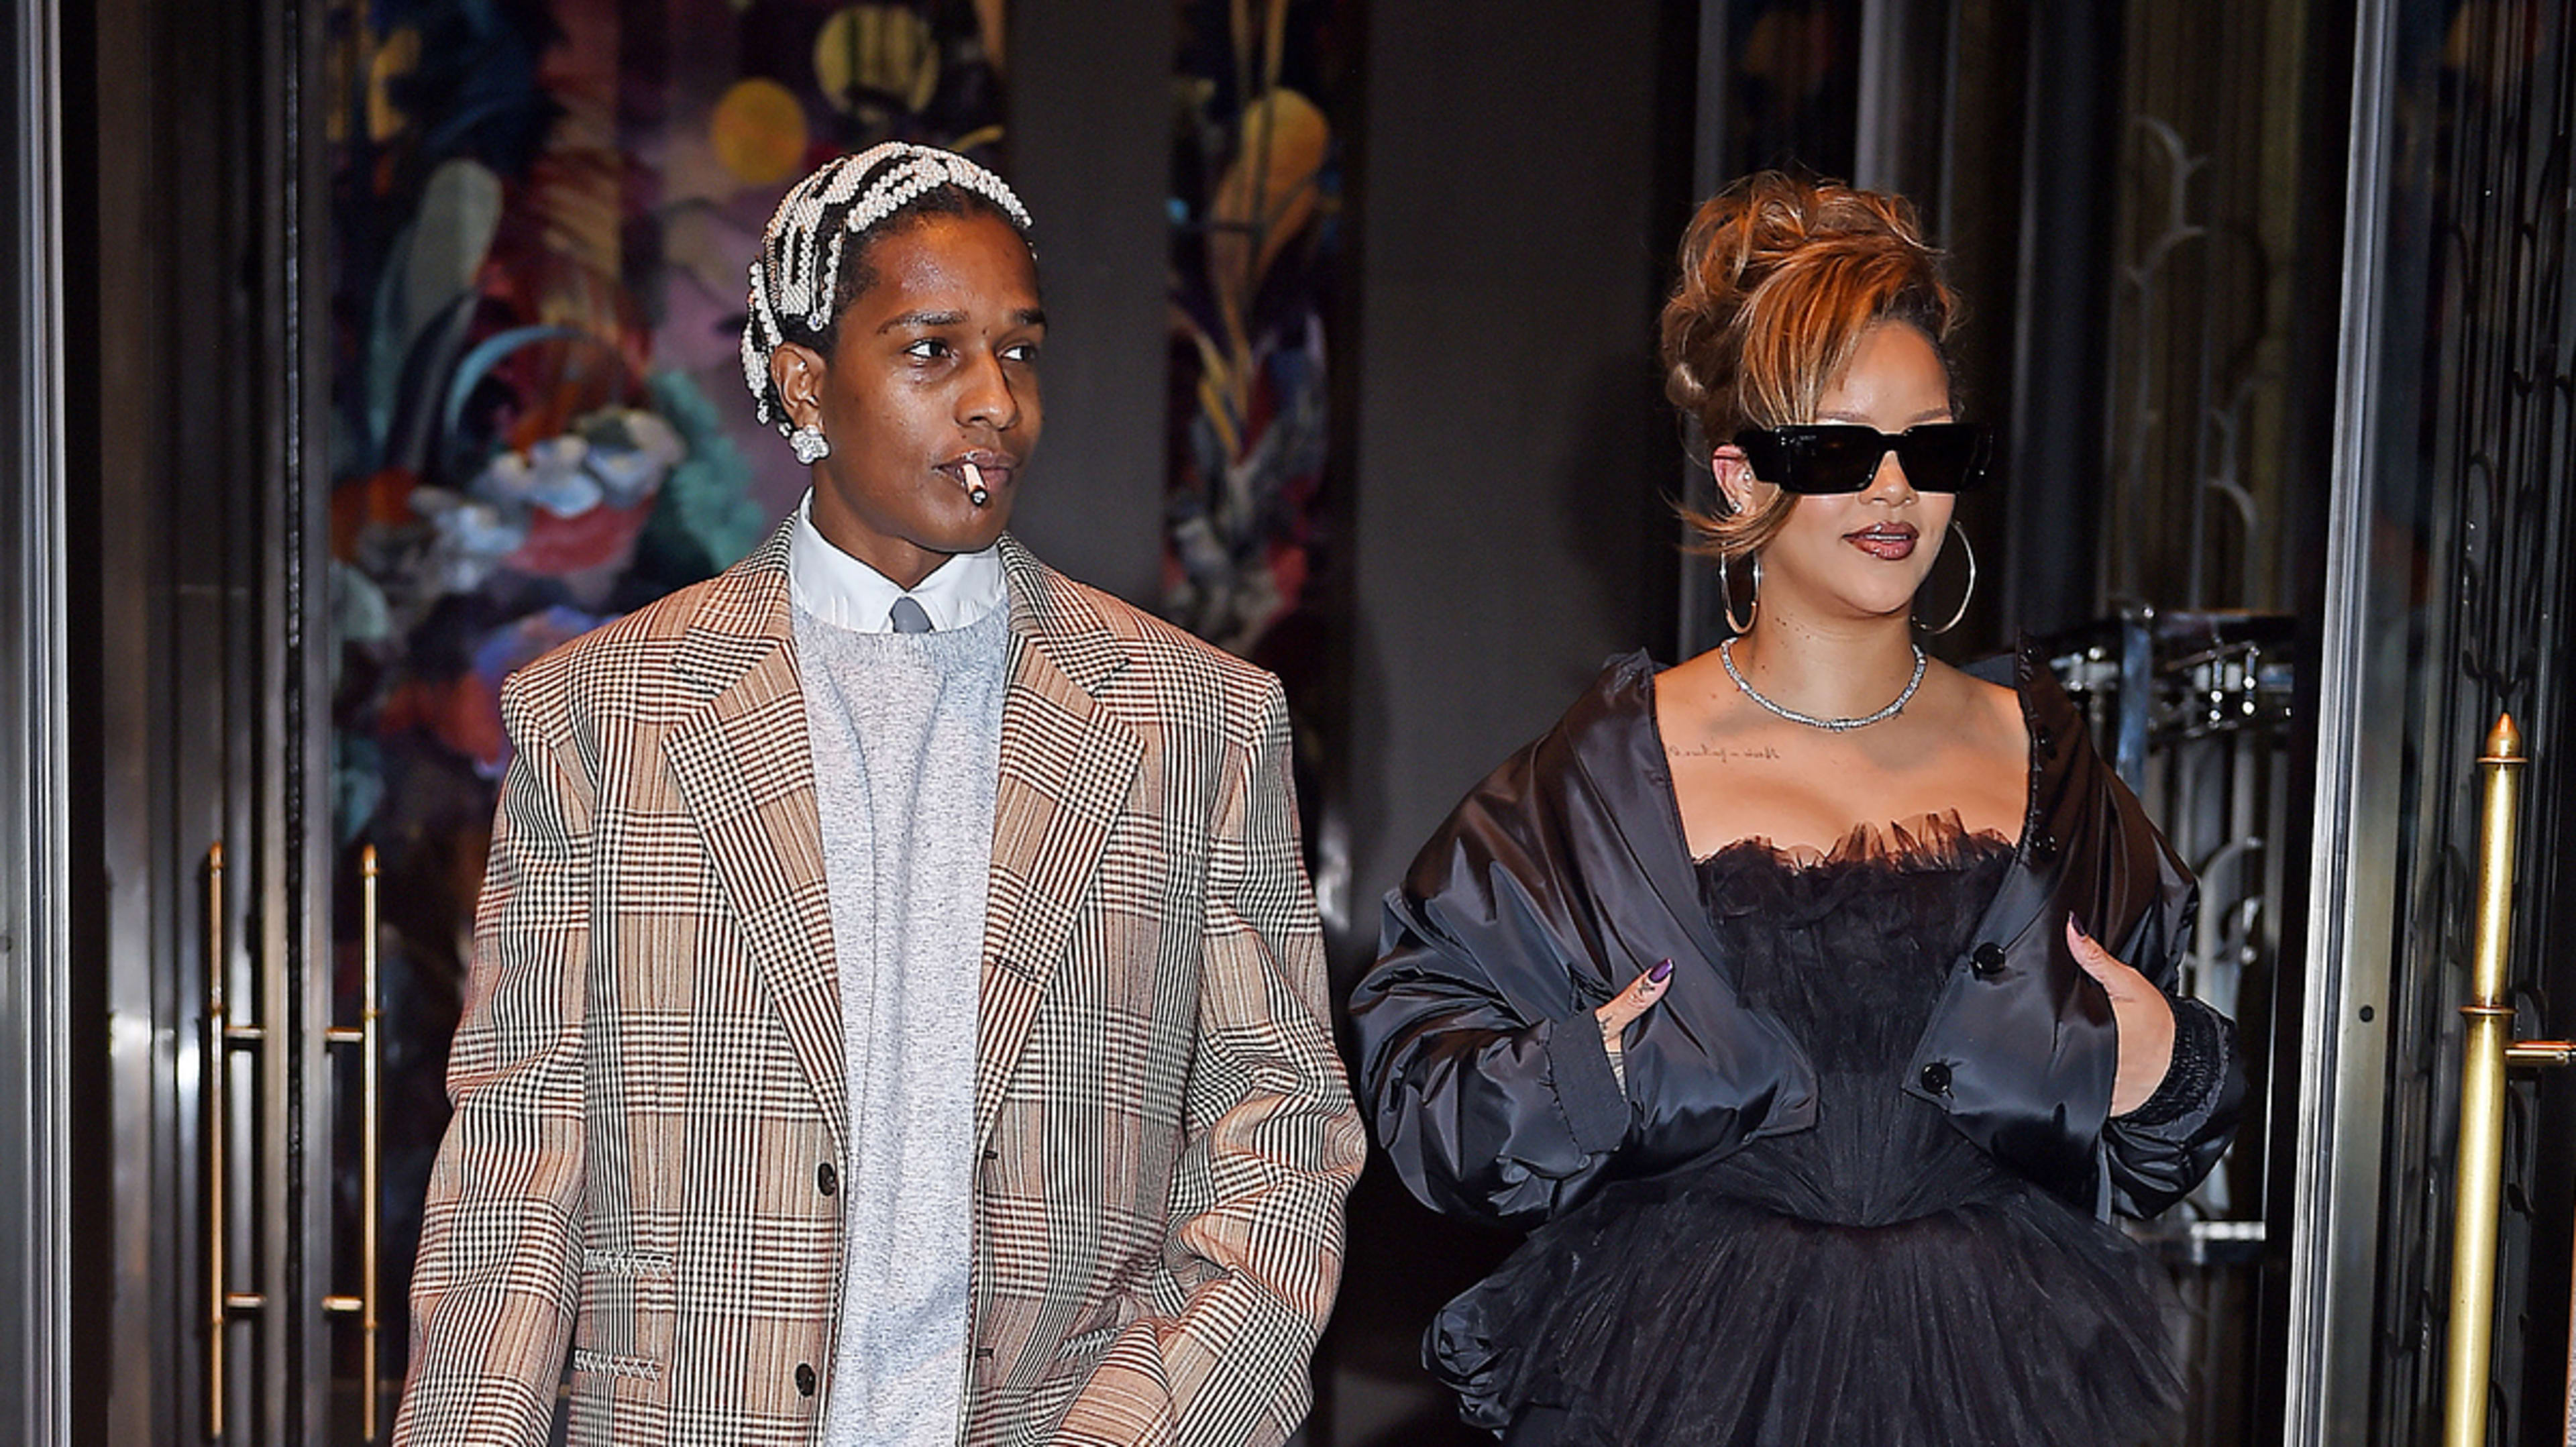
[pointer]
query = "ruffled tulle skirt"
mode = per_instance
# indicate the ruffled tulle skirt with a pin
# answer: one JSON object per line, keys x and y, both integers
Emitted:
{"x": 1664, "y": 1313}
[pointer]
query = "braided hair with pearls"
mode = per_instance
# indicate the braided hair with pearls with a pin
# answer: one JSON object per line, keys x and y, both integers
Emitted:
{"x": 812, "y": 256}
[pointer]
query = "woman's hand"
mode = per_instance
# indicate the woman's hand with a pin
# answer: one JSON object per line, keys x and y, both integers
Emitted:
{"x": 2143, "y": 1016}
{"x": 1624, "y": 1008}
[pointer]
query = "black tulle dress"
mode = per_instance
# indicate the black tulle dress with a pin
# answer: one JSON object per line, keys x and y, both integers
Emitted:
{"x": 1876, "y": 1280}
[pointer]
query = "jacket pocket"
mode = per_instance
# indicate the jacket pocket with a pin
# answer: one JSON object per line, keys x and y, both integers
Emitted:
{"x": 622, "y": 1339}
{"x": 616, "y": 1401}
{"x": 625, "y": 1263}
{"x": 586, "y": 1362}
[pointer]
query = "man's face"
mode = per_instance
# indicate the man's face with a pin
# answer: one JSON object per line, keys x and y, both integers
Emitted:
{"x": 933, "y": 369}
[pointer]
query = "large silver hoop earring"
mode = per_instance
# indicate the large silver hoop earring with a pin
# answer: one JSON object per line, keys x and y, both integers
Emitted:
{"x": 1726, "y": 597}
{"x": 1970, "y": 592}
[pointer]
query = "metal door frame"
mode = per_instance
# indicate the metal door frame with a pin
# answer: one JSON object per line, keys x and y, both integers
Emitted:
{"x": 2389, "y": 734}
{"x": 35, "y": 1281}
{"x": 204, "y": 561}
{"x": 2353, "y": 871}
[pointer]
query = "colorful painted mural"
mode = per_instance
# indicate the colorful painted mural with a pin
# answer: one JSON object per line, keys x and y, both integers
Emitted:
{"x": 541, "y": 213}
{"x": 1257, "y": 243}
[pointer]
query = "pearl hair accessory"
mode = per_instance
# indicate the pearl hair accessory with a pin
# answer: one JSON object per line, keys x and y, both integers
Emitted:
{"x": 799, "y": 266}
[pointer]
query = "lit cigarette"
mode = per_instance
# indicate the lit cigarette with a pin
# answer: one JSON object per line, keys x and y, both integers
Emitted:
{"x": 975, "y": 492}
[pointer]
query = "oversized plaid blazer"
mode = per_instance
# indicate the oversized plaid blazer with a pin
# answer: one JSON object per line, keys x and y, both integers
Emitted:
{"x": 648, "y": 1074}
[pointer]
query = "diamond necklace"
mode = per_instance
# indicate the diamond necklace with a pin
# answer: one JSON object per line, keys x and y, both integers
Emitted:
{"x": 1726, "y": 655}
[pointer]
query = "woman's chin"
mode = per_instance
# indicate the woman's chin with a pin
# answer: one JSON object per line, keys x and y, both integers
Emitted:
{"x": 1879, "y": 604}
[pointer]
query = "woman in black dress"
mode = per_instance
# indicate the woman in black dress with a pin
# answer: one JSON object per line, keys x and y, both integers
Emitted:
{"x": 1809, "y": 999}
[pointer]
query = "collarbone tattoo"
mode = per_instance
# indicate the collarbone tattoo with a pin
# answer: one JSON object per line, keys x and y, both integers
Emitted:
{"x": 1723, "y": 754}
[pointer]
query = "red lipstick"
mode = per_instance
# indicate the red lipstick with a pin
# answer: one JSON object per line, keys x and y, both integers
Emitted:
{"x": 1887, "y": 542}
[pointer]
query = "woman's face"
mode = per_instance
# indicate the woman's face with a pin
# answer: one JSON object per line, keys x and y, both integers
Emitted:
{"x": 933, "y": 368}
{"x": 1859, "y": 555}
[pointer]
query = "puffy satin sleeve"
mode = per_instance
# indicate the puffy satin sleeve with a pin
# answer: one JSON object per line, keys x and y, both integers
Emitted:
{"x": 1555, "y": 882}
{"x": 2155, "y": 1154}
{"x": 1488, "y": 1109}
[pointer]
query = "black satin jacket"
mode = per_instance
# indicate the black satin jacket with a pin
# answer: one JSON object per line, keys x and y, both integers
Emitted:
{"x": 1565, "y": 873}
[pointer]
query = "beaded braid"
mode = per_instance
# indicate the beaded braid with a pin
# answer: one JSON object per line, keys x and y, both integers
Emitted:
{"x": 798, "y": 271}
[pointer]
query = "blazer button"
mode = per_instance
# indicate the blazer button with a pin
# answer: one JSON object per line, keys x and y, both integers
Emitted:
{"x": 1987, "y": 960}
{"x": 1936, "y": 1078}
{"x": 826, "y": 1180}
{"x": 805, "y": 1379}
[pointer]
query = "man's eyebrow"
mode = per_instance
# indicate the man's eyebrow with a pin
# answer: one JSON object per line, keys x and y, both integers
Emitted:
{"x": 921, "y": 319}
{"x": 1025, "y": 317}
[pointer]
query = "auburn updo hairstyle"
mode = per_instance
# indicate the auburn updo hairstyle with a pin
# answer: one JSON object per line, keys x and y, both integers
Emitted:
{"x": 1780, "y": 278}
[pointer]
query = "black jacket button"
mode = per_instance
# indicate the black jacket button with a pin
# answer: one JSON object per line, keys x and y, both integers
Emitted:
{"x": 826, "y": 1180}
{"x": 1936, "y": 1078}
{"x": 805, "y": 1379}
{"x": 1987, "y": 959}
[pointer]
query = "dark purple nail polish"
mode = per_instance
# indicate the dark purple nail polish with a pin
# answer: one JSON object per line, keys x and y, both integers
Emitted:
{"x": 1662, "y": 971}
{"x": 2077, "y": 920}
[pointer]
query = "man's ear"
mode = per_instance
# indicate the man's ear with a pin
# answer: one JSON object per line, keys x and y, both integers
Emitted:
{"x": 797, "y": 372}
{"x": 1735, "y": 480}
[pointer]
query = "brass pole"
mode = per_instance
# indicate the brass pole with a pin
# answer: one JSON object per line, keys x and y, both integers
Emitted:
{"x": 217, "y": 1078}
{"x": 371, "y": 1158}
{"x": 2479, "y": 1184}
{"x": 367, "y": 1035}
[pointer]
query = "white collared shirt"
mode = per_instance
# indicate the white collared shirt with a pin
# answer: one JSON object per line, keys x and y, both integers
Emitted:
{"x": 840, "y": 590}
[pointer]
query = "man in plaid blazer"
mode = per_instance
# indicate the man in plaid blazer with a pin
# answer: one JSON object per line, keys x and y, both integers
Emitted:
{"x": 652, "y": 1149}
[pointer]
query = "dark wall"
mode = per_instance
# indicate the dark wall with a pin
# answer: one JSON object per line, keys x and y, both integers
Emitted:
{"x": 1090, "y": 152}
{"x": 1508, "y": 531}
{"x": 1512, "y": 448}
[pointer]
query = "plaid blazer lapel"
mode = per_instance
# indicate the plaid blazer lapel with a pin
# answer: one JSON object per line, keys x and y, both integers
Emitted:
{"x": 746, "y": 772}
{"x": 1066, "y": 766}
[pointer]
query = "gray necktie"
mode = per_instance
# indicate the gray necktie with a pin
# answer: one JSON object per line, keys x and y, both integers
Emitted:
{"x": 908, "y": 617}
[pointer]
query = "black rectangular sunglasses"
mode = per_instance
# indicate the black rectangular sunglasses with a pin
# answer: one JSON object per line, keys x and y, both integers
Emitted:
{"x": 1825, "y": 458}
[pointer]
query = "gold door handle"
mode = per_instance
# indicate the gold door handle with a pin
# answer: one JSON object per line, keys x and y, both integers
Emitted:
{"x": 2540, "y": 1052}
{"x": 2488, "y": 1050}
{"x": 222, "y": 1035}
{"x": 216, "y": 1124}
{"x": 367, "y": 1037}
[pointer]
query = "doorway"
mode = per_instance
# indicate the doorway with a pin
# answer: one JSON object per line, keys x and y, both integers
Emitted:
{"x": 232, "y": 1193}
{"x": 2450, "y": 581}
